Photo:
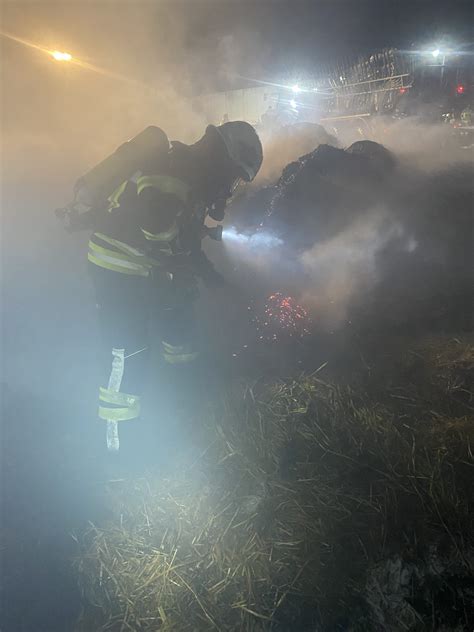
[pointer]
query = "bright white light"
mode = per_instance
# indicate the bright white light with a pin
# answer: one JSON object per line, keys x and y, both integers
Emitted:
{"x": 296, "y": 88}
{"x": 293, "y": 104}
{"x": 260, "y": 241}
{"x": 60, "y": 56}
{"x": 435, "y": 53}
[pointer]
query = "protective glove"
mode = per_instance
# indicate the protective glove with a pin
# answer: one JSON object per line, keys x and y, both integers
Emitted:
{"x": 207, "y": 272}
{"x": 217, "y": 210}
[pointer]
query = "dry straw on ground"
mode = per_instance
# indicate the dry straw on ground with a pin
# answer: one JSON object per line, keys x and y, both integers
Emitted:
{"x": 305, "y": 490}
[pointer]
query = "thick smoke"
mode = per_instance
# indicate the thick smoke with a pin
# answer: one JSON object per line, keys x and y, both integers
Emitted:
{"x": 345, "y": 265}
{"x": 422, "y": 145}
{"x": 425, "y": 146}
{"x": 394, "y": 247}
{"x": 58, "y": 120}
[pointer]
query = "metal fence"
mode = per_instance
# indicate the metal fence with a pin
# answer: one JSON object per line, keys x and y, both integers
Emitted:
{"x": 370, "y": 85}
{"x": 364, "y": 86}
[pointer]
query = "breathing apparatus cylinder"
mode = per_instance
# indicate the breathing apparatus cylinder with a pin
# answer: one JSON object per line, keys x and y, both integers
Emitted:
{"x": 98, "y": 183}
{"x": 91, "y": 192}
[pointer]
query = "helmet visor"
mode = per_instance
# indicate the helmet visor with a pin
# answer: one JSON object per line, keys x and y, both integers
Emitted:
{"x": 235, "y": 184}
{"x": 238, "y": 176}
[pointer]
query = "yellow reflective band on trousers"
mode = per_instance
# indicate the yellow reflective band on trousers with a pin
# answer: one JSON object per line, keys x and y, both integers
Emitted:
{"x": 123, "y": 406}
{"x": 163, "y": 237}
{"x": 178, "y": 354}
{"x": 118, "y": 414}
{"x": 165, "y": 184}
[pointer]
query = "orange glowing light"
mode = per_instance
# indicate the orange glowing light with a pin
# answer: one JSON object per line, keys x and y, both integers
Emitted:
{"x": 60, "y": 56}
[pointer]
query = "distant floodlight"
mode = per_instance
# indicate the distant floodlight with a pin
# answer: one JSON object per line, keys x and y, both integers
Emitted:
{"x": 296, "y": 88}
{"x": 436, "y": 53}
{"x": 293, "y": 104}
{"x": 60, "y": 56}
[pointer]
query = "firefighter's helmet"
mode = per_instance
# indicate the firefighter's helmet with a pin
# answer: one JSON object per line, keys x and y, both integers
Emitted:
{"x": 243, "y": 145}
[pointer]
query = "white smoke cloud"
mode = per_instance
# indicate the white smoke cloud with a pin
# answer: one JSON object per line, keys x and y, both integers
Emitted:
{"x": 344, "y": 265}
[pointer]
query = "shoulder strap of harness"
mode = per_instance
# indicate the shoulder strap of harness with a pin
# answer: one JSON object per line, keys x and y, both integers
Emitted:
{"x": 165, "y": 184}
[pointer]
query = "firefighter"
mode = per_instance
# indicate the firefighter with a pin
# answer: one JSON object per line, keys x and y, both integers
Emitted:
{"x": 145, "y": 257}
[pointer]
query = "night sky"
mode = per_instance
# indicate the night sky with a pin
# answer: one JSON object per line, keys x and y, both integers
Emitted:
{"x": 215, "y": 43}
{"x": 153, "y": 55}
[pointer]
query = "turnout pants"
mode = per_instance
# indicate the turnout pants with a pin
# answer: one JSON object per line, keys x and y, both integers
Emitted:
{"x": 131, "y": 310}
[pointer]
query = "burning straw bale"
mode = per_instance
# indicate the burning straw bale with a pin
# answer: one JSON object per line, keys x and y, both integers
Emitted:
{"x": 316, "y": 506}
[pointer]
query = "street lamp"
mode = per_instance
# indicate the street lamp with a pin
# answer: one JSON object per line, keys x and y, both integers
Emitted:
{"x": 60, "y": 56}
{"x": 436, "y": 53}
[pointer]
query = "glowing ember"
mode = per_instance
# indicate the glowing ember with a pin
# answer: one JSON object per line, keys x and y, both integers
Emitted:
{"x": 282, "y": 315}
